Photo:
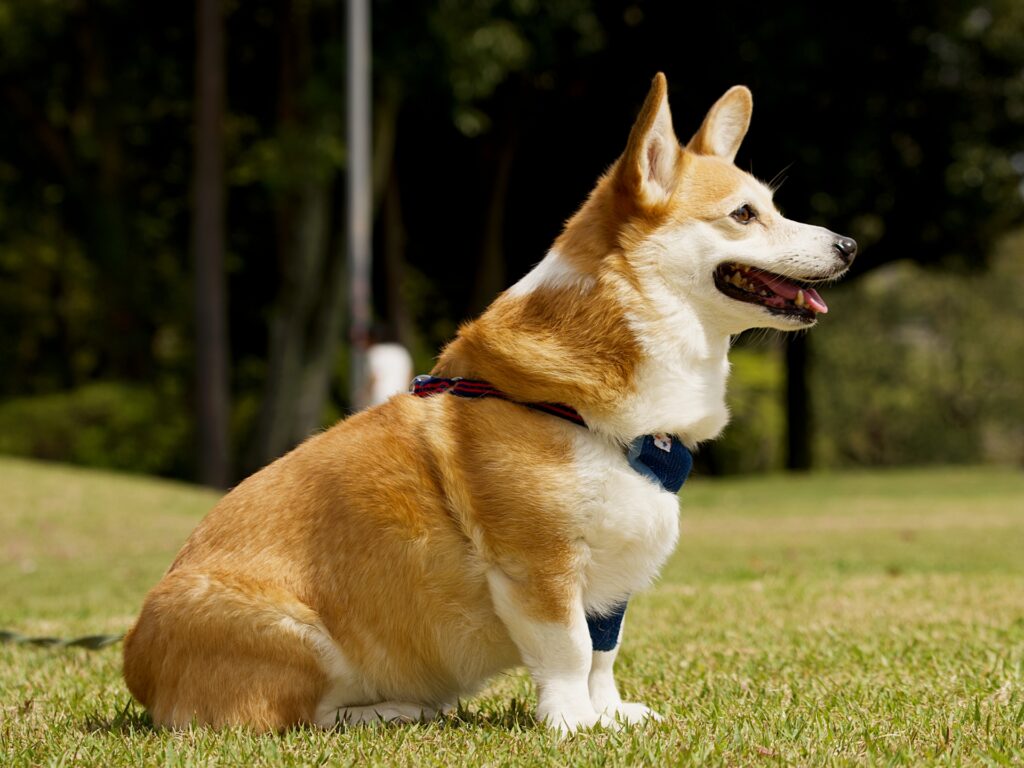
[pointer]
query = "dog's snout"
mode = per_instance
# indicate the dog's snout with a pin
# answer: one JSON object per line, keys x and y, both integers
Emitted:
{"x": 847, "y": 248}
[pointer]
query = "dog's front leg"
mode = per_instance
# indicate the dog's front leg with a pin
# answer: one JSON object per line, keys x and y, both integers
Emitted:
{"x": 604, "y": 694}
{"x": 549, "y": 627}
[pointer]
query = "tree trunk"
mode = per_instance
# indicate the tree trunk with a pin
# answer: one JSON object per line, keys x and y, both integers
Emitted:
{"x": 399, "y": 322}
{"x": 307, "y": 322}
{"x": 490, "y": 276}
{"x": 304, "y": 250}
{"x": 323, "y": 321}
{"x": 208, "y": 244}
{"x": 299, "y": 362}
{"x": 387, "y": 199}
{"x": 799, "y": 414}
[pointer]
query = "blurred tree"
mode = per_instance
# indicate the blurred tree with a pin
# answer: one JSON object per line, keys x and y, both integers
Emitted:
{"x": 208, "y": 233}
{"x": 94, "y": 195}
{"x": 901, "y": 123}
{"x": 299, "y": 163}
{"x": 938, "y": 358}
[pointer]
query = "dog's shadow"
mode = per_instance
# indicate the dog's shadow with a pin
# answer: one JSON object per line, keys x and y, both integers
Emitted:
{"x": 129, "y": 719}
{"x": 516, "y": 715}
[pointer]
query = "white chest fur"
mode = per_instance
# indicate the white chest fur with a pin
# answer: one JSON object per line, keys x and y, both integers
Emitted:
{"x": 629, "y": 524}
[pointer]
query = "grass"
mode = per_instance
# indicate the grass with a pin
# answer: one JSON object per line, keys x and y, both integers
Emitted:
{"x": 873, "y": 618}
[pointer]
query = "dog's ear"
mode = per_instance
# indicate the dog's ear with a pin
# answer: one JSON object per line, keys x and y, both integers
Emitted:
{"x": 649, "y": 167}
{"x": 726, "y": 124}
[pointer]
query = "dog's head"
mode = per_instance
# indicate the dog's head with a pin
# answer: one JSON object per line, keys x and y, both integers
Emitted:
{"x": 691, "y": 222}
{"x": 628, "y": 316}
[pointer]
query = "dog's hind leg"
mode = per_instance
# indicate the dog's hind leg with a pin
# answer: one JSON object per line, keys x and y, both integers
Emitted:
{"x": 217, "y": 650}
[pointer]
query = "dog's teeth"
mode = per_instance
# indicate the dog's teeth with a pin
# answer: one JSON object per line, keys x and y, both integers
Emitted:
{"x": 799, "y": 301}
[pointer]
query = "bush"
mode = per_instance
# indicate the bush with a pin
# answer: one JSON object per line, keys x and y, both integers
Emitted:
{"x": 754, "y": 438}
{"x": 923, "y": 366}
{"x": 106, "y": 424}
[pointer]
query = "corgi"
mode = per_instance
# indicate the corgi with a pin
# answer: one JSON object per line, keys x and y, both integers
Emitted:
{"x": 395, "y": 562}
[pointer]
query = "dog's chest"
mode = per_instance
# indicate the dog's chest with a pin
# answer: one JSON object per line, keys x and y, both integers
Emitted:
{"x": 630, "y": 524}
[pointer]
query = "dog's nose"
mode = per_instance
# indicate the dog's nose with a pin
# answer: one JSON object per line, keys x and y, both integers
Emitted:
{"x": 847, "y": 248}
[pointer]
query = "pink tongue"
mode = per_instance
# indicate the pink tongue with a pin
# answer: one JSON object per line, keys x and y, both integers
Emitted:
{"x": 814, "y": 301}
{"x": 789, "y": 291}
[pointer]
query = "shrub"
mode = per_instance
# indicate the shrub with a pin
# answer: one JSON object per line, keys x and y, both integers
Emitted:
{"x": 105, "y": 424}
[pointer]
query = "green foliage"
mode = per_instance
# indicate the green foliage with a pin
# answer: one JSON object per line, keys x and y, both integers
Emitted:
{"x": 483, "y": 44}
{"x": 118, "y": 426}
{"x": 48, "y": 291}
{"x": 93, "y": 191}
{"x": 923, "y": 160}
{"x": 915, "y": 366}
{"x": 752, "y": 442}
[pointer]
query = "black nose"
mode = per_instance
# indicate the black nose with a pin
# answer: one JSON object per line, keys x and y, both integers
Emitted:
{"x": 847, "y": 248}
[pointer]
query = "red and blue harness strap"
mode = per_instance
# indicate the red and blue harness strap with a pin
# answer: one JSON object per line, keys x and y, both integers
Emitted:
{"x": 425, "y": 386}
{"x": 661, "y": 458}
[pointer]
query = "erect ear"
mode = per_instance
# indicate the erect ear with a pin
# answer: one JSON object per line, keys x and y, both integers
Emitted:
{"x": 649, "y": 166}
{"x": 726, "y": 124}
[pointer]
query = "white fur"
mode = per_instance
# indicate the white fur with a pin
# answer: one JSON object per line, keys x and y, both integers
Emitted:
{"x": 631, "y": 523}
{"x": 604, "y": 694}
{"x": 680, "y": 382}
{"x": 628, "y": 525}
{"x": 553, "y": 271}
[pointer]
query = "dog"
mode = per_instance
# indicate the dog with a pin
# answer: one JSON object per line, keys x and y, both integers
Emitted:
{"x": 395, "y": 562}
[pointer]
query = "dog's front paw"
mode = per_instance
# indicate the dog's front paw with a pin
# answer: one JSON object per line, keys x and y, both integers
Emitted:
{"x": 570, "y": 721}
{"x": 630, "y": 712}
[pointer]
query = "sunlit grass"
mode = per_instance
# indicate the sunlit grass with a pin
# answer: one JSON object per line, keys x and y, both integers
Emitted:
{"x": 829, "y": 619}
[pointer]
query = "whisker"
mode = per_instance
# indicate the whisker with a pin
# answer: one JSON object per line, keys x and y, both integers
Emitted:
{"x": 779, "y": 179}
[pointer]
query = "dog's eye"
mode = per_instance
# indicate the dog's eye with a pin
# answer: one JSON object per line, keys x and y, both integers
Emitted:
{"x": 744, "y": 214}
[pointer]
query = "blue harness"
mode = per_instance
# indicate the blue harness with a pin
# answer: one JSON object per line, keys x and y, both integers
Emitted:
{"x": 661, "y": 458}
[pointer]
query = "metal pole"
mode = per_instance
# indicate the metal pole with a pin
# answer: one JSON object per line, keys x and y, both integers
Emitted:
{"x": 360, "y": 190}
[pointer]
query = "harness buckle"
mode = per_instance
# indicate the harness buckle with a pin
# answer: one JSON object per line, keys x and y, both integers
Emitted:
{"x": 419, "y": 381}
{"x": 426, "y": 379}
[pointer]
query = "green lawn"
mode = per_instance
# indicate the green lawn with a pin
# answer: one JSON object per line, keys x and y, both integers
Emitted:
{"x": 873, "y": 618}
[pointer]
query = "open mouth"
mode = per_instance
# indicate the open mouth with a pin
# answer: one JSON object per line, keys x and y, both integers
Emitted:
{"x": 779, "y": 295}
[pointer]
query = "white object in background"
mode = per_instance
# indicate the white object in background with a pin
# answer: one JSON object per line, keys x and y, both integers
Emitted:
{"x": 388, "y": 370}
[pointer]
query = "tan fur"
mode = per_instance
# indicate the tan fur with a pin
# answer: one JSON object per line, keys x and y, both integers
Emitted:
{"x": 360, "y": 567}
{"x": 522, "y": 346}
{"x": 394, "y": 491}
